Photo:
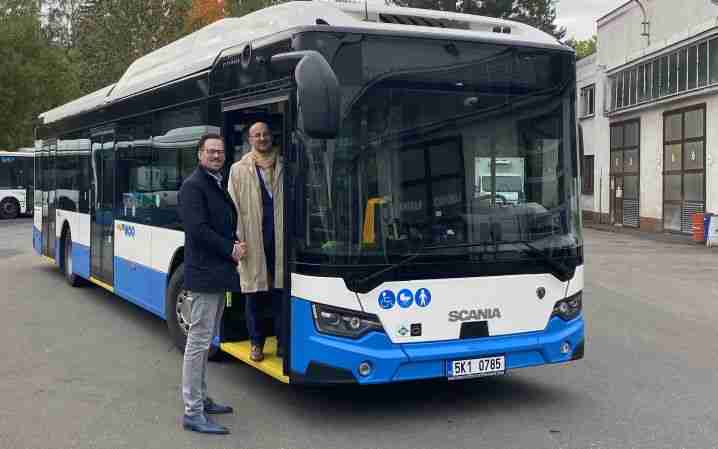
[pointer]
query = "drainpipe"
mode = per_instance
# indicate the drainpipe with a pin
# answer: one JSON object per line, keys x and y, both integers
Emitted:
{"x": 646, "y": 24}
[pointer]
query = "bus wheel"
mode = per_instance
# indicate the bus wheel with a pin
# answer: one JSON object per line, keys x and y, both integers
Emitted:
{"x": 71, "y": 278}
{"x": 177, "y": 309}
{"x": 9, "y": 208}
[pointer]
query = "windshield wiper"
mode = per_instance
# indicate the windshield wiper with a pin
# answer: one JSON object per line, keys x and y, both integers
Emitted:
{"x": 561, "y": 271}
{"x": 356, "y": 284}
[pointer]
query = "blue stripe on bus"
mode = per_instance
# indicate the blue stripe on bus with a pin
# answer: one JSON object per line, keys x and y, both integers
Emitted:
{"x": 403, "y": 362}
{"x": 141, "y": 285}
{"x": 81, "y": 260}
{"x": 37, "y": 240}
{"x": 523, "y": 350}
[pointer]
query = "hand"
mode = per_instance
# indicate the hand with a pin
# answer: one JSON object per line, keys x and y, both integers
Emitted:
{"x": 239, "y": 250}
{"x": 242, "y": 249}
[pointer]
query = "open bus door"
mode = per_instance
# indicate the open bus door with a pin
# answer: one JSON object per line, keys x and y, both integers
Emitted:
{"x": 238, "y": 118}
{"x": 317, "y": 106}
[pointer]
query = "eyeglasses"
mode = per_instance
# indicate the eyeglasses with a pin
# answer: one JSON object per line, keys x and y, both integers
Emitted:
{"x": 214, "y": 152}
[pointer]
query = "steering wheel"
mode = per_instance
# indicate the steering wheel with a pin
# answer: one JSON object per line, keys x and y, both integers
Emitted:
{"x": 500, "y": 199}
{"x": 504, "y": 201}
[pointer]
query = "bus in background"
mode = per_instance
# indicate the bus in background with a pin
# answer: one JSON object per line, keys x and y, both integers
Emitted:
{"x": 16, "y": 182}
{"x": 384, "y": 115}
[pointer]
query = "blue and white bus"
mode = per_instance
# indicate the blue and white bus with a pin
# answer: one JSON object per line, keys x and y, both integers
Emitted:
{"x": 399, "y": 266}
{"x": 16, "y": 182}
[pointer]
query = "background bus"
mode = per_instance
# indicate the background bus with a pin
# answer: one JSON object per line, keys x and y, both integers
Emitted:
{"x": 16, "y": 182}
{"x": 394, "y": 270}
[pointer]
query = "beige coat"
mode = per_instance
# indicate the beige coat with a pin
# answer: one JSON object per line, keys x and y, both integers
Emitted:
{"x": 245, "y": 191}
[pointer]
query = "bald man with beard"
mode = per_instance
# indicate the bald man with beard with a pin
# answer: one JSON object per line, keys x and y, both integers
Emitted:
{"x": 257, "y": 189}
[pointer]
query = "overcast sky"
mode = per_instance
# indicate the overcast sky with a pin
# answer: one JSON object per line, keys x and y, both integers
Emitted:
{"x": 579, "y": 16}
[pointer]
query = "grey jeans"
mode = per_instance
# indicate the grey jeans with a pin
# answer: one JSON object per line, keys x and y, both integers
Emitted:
{"x": 205, "y": 315}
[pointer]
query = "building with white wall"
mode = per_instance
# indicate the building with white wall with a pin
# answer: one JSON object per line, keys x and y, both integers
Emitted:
{"x": 654, "y": 133}
{"x": 590, "y": 82}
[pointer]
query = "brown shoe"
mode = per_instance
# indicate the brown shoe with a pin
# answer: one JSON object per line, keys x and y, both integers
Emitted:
{"x": 256, "y": 353}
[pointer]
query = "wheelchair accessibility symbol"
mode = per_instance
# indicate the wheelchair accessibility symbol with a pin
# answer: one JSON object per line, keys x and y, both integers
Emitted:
{"x": 387, "y": 299}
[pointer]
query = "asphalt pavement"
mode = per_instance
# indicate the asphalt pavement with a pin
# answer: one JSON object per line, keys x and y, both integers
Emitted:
{"x": 81, "y": 368}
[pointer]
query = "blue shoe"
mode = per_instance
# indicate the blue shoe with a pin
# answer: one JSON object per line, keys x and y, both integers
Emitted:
{"x": 202, "y": 424}
{"x": 212, "y": 408}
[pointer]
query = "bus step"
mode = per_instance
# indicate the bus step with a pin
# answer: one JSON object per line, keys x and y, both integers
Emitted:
{"x": 271, "y": 364}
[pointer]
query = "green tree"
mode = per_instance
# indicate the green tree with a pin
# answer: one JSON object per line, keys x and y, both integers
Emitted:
{"x": 583, "y": 48}
{"x": 540, "y": 14}
{"x": 111, "y": 34}
{"x": 35, "y": 75}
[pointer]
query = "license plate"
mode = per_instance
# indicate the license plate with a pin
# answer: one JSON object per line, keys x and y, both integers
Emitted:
{"x": 487, "y": 366}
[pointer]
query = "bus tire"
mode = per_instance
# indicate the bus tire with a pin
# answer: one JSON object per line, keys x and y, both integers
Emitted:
{"x": 9, "y": 208}
{"x": 73, "y": 279}
{"x": 176, "y": 310}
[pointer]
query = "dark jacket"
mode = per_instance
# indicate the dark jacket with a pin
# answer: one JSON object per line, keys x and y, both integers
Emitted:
{"x": 210, "y": 221}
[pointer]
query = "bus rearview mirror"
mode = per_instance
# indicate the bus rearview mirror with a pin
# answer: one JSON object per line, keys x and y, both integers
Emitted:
{"x": 318, "y": 95}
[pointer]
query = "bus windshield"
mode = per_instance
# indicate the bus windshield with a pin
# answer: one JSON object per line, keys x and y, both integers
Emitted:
{"x": 466, "y": 152}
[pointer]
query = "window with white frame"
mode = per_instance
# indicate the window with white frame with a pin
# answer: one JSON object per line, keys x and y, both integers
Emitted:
{"x": 588, "y": 100}
{"x": 689, "y": 68}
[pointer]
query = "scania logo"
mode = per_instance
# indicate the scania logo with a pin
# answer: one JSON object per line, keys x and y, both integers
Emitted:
{"x": 474, "y": 314}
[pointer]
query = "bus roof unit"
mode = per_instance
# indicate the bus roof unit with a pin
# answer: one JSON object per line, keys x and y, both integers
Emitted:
{"x": 198, "y": 51}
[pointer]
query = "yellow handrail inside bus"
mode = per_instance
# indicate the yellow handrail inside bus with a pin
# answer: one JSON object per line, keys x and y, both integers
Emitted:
{"x": 368, "y": 232}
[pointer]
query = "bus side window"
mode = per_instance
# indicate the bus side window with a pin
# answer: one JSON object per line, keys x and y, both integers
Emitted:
{"x": 134, "y": 171}
{"x": 174, "y": 156}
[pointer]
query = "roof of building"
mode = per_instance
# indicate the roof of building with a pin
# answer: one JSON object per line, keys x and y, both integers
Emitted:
{"x": 198, "y": 51}
{"x": 616, "y": 11}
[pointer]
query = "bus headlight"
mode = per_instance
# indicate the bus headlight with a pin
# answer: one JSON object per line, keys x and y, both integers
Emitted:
{"x": 569, "y": 308}
{"x": 344, "y": 323}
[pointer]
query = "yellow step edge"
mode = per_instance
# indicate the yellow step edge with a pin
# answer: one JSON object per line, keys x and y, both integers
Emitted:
{"x": 49, "y": 259}
{"x": 271, "y": 365}
{"x": 99, "y": 283}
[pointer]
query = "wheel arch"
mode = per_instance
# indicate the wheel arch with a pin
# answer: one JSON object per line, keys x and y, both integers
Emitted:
{"x": 65, "y": 230}
{"x": 177, "y": 260}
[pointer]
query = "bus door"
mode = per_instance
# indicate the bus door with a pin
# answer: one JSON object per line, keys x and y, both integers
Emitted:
{"x": 42, "y": 172}
{"x": 49, "y": 206}
{"x": 102, "y": 195}
{"x": 28, "y": 182}
{"x": 239, "y": 116}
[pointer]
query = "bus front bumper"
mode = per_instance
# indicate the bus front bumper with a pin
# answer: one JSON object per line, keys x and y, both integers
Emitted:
{"x": 324, "y": 359}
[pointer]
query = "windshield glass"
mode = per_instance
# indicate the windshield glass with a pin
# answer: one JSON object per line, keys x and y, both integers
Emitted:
{"x": 474, "y": 146}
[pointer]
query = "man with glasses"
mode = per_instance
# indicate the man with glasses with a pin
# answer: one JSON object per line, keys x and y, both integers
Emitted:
{"x": 256, "y": 187}
{"x": 210, "y": 266}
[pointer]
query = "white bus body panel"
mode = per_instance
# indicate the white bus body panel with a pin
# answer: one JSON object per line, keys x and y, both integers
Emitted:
{"x": 37, "y": 218}
{"x": 149, "y": 246}
{"x": 79, "y": 226}
{"x": 324, "y": 290}
{"x": 520, "y": 309}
